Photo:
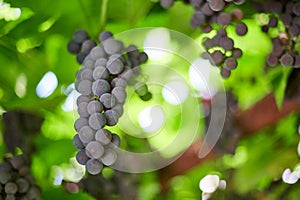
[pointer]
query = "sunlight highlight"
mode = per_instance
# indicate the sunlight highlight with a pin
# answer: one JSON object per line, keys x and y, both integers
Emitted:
{"x": 47, "y": 85}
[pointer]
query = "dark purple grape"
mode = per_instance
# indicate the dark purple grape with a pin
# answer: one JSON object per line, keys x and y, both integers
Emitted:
{"x": 77, "y": 142}
{"x": 112, "y": 117}
{"x": 237, "y": 53}
{"x": 265, "y": 28}
{"x": 296, "y": 9}
{"x": 197, "y": 19}
{"x": 120, "y": 94}
{"x": 207, "y": 28}
{"x": 88, "y": 45}
{"x": 216, "y": 5}
{"x": 294, "y": 30}
{"x": 103, "y": 136}
{"x": 109, "y": 157}
{"x": 118, "y": 82}
{"x": 115, "y": 66}
{"x": 94, "y": 149}
{"x": 80, "y": 122}
{"x": 112, "y": 46}
{"x": 206, "y": 9}
{"x": 105, "y": 35}
{"x": 73, "y": 47}
{"x": 143, "y": 57}
{"x": 115, "y": 140}
{"x": 97, "y": 52}
{"x": 273, "y": 22}
{"x": 287, "y": 59}
{"x": 241, "y": 29}
{"x": 225, "y": 73}
{"x": 196, "y": 3}
{"x": 23, "y": 185}
{"x": 226, "y": 43}
{"x": 86, "y": 134}
{"x": 297, "y": 61}
{"x": 286, "y": 19}
{"x": 217, "y": 57}
{"x": 222, "y": 33}
{"x": 10, "y": 188}
{"x": 224, "y": 19}
{"x": 272, "y": 60}
{"x": 237, "y": 14}
{"x": 100, "y": 87}
{"x": 94, "y": 166}
{"x": 81, "y": 157}
{"x": 97, "y": 121}
{"x": 108, "y": 100}
{"x": 119, "y": 109}
{"x": 80, "y": 36}
{"x": 230, "y": 63}
{"x": 94, "y": 107}
{"x": 80, "y": 57}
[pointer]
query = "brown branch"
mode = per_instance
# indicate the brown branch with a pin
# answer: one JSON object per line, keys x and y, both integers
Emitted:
{"x": 263, "y": 114}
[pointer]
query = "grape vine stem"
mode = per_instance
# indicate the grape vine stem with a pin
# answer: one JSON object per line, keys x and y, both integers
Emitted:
{"x": 103, "y": 14}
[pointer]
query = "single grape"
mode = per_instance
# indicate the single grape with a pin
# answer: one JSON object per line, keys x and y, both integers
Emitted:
{"x": 226, "y": 43}
{"x": 120, "y": 94}
{"x": 23, "y": 185}
{"x": 94, "y": 166}
{"x": 287, "y": 59}
{"x": 103, "y": 136}
{"x": 5, "y": 176}
{"x": 241, "y": 29}
{"x": 82, "y": 98}
{"x": 118, "y": 82}
{"x": 198, "y": 18}
{"x": 73, "y": 47}
{"x": 216, "y": 5}
{"x": 82, "y": 157}
{"x": 273, "y": 21}
{"x": 225, "y": 73}
{"x": 105, "y": 35}
{"x": 294, "y": 30}
{"x": 80, "y": 122}
{"x": 34, "y": 193}
{"x": 24, "y": 171}
{"x": 100, "y": 87}
{"x": 101, "y": 62}
{"x": 230, "y": 63}
{"x": 196, "y": 3}
{"x": 82, "y": 109}
{"x": 146, "y": 97}
{"x": 80, "y": 57}
{"x": 100, "y": 72}
{"x": 86, "y": 134}
{"x": 10, "y": 188}
{"x": 286, "y": 18}
{"x": 94, "y": 107}
{"x": 206, "y": 9}
{"x": 272, "y": 60}
{"x": 221, "y": 33}
{"x": 86, "y": 74}
{"x": 108, "y": 100}
{"x": 297, "y": 61}
{"x": 132, "y": 51}
{"x": 207, "y": 28}
{"x": 17, "y": 161}
{"x": 237, "y": 14}
{"x": 265, "y": 28}
{"x": 109, "y": 157}
{"x": 115, "y": 140}
{"x": 112, "y": 117}
{"x": 237, "y": 53}
{"x": 85, "y": 87}
{"x": 224, "y": 19}
{"x": 296, "y": 9}
{"x": 88, "y": 45}
{"x": 77, "y": 142}
{"x": 114, "y": 65}
{"x": 112, "y": 46}
{"x": 208, "y": 43}
{"x": 217, "y": 57}
{"x": 97, "y": 121}
{"x": 97, "y": 52}
{"x": 143, "y": 57}
{"x": 89, "y": 63}
{"x": 80, "y": 36}
{"x": 166, "y": 3}
{"x": 94, "y": 149}
{"x": 119, "y": 109}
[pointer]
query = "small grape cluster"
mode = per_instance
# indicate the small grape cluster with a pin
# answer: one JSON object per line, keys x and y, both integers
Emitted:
{"x": 284, "y": 44}
{"x": 16, "y": 182}
{"x": 102, "y": 82}
{"x": 220, "y": 49}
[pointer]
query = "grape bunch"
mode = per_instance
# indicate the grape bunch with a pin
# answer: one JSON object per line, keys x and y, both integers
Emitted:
{"x": 16, "y": 182}
{"x": 210, "y": 15}
{"x": 284, "y": 16}
{"x": 101, "y": 82}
